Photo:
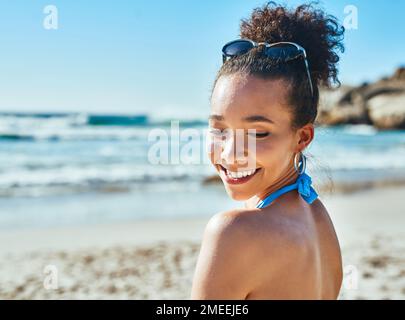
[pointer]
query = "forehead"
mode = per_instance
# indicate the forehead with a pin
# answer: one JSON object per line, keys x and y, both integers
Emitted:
{"x": 236, "y": 96}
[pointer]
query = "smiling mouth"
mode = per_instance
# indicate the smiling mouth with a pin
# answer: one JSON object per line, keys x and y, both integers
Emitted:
{"x": 238, "y": 177}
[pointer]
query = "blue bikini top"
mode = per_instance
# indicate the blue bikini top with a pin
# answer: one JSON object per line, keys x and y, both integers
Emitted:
{"x": 302, "y": 184}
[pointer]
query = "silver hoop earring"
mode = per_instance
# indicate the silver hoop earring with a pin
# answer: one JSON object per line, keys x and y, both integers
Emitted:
{"x": 298, "y": 164}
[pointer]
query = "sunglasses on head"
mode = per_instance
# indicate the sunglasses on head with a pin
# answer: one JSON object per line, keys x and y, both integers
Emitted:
{"x": 286, "y": 51}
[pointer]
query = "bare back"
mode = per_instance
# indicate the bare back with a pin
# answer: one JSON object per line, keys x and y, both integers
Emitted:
{"x": 299, "y": 254}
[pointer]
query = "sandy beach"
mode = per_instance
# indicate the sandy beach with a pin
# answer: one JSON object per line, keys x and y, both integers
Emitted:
{"x": 155, "y": 259}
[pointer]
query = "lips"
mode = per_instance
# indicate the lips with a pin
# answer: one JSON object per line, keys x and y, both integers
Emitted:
{"x": 237, "y": 177}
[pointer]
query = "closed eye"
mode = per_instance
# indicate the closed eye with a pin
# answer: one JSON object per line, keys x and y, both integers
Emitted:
{"x": 221, "y": 132}
{"x": 260, "y": 134}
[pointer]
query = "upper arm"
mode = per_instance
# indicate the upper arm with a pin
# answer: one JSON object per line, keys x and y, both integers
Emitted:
{"x": 225, "y": 260}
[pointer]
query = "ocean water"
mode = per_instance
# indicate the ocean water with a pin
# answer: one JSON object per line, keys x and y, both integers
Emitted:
{"x": 76, "y": 168}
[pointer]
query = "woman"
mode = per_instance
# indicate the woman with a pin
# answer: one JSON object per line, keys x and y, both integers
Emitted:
{"x": 282, "y": 245}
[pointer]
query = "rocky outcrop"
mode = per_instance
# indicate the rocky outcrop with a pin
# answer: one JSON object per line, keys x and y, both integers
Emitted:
{"x": 381, "y": 103}
{"x": 399, "y": 74}
{"x": 342, "y": 106}
{"x": 387, "y": 111}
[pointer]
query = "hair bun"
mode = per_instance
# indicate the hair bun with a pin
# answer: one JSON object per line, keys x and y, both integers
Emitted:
{"x": 320, "y": 34}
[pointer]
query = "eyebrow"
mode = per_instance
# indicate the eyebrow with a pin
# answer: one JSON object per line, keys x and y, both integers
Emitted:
{"x": 252, "y": 118}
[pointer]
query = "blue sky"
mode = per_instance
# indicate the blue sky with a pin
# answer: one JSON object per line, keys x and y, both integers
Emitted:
{"x": 134, "y": 56}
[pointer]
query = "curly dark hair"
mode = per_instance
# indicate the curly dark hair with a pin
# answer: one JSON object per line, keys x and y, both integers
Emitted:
{"x": 318, "y": 33}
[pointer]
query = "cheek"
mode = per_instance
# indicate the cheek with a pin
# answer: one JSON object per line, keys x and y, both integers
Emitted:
{"x": 213, "y": 149}
{"x": 266, "y": 154}
{"x": 271, "y": 153}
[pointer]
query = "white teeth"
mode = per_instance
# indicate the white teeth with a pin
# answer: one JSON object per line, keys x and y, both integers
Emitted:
{"x": 240, "y": 174}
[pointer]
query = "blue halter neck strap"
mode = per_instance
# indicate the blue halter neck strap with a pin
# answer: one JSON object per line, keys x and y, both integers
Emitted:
{"x": 302, "y": 184}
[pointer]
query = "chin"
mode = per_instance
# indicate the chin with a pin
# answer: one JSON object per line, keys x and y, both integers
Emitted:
{"x": 238, "y": 195}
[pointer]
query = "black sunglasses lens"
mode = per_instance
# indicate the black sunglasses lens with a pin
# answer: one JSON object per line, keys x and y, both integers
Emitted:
{"x": 237, "y": 48}
{"x": 283, "y": 51}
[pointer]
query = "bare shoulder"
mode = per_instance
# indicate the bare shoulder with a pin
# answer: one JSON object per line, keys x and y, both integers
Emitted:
{"x": 266, "y": 252}
{"x": 272, "y": 226}
{"x": 233, "y": 223}
{"x": 225, "y": 258}
{"x": 270, "y": 245}
{"x": 232, "y": 231}
{"x": 245, "y": 250}
{"x": 264, "y": 236}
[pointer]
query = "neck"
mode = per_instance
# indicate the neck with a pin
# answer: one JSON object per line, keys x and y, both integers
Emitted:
{"x": 289, "y": 177}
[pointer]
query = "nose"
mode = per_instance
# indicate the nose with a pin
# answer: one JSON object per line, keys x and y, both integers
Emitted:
{"x": 233, "y": 151}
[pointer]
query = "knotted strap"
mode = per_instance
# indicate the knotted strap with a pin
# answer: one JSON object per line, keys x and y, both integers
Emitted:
{"x": 305, "y": 189}
{"x": 303, "y": 186}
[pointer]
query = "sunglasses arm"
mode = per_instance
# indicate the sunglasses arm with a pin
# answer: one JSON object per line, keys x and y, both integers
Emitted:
{"x": 309, "y": 77}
